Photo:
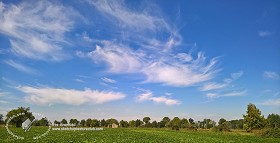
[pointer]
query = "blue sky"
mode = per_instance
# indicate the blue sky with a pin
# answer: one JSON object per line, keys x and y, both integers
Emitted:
{"x": 130, "y": 59}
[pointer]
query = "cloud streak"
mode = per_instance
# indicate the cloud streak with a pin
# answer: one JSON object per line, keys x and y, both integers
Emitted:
{"x": 20, "y": 67}
{"x": 108, "y": 80}
{"x": 37, "y": 31}
{"x": 227, "y": 82}
{"x": 48, "y": 95}
{"x": 226, "y": 94}
{"x": 271, "y": 75}
{"x": 148, "y": 96}
{"x": 272, "y": 102}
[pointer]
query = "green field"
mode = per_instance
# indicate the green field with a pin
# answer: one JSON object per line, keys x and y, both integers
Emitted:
{"x": 130, "y": 135}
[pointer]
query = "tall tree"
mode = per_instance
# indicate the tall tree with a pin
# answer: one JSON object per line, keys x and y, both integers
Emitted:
{"x": 253, "y": 119}
{"x": 165, "y": 121}
{"x": 17, "y": 121}
{"x": 191, "y": 121}
{"x": 95, "y": 123}
{"x": 273, "y": 120}
{"x": 103, "y": 123}
{"x": 1, "y": 119}
{"x": 88, "y": 122}
{"x": 146, "y": 120}
{"x": 154, "y": 124}
{"x": 175, "y": 123}
{"x": 83, "y": 122}
{"x": 57, "y": 123}
{"x": 124, "y": 124}
{"x": 138, "y": 123}
{"x": 64, "y": 121}
{"x": 240, "y": 123}
{"x": 184, "y": 123}
{"x": 132, "y": 123}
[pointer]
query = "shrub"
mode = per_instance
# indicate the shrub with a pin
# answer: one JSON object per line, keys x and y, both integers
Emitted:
{"x": 271, "y": 132}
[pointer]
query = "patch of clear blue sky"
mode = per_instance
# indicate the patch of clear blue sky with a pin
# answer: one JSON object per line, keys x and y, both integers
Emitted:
{"x": 229, "y": 30}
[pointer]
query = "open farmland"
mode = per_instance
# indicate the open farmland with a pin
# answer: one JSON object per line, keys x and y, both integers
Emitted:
{"x": 130, "y": 135}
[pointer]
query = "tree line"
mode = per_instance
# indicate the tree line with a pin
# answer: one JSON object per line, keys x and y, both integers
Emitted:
{"x": 252, "y": 120}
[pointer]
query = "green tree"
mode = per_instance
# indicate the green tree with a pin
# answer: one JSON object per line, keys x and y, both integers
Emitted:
{"x": 64, "y": 121}
{"x": 175, "y": 123}
{"x": 184, "y": 123}
{"x": 165, "y": 121}
{"x": 95, "y": 123}
{"x": 111, "y": 121}
{"x": 88, "y": 122}
{"x": 17, "y": 121}
{"x": 103, "y": 123}
{"x": 124, "y": 124}
{"x": 224, "y": 125}
{"x": 273, "y": 120}
{"x": 44, "y": 122}
{"x": 146, "y": 120}
{"x": 83, "y": 122}
{"x": 253, "y": 119}
{"x": 1, "y": 119}
{"x": 57, "y": 123}
{"x": 154, "y": 124}
{"x": 74, "y": 121}
{"x": 138, "y": 123}
{"x": 240, "y": 123}
{"x": 191, "y": 121}
{"x": 132, "y": 123}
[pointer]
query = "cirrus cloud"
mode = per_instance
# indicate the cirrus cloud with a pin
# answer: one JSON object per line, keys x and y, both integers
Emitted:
{"x": 148, "y": 96}
{"x": 37, "y": 31}
{"x": 48, "y": 95}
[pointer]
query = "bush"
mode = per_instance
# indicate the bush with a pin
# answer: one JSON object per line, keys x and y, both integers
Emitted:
{"x": 271, "y": 132}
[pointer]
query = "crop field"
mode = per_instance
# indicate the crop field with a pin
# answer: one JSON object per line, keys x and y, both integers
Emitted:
{"x": 133, "y": 135}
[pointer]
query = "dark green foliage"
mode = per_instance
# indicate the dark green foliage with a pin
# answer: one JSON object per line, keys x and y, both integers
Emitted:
{"x": 17, "y": 121}
{"x": 1, "y": 119}
{"x": 271, "y": 132}
{"x": 64, "y": 121}
{"x": 273, "y": 121}
{"x": 124, "y": 124}
{"x": 95, "y": 123}
{"x": 138, "y": 123}
{"x": 88, "y": 122}
{"x": 253, "y": 119}
{"x": 83, "y": 123}
{"x": 132, "y": 123}
{"x": 41, "y": 122}
{"x": 175, "y": 123}
{"x": 154, "y": 124}
{"x": 103, "y": 123}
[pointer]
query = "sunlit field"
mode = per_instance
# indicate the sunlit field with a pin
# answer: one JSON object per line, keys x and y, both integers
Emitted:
{"x": 130, "y": 135}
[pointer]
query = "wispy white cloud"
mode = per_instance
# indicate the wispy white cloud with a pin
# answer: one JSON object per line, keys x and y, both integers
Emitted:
{"x": 79, "y": 80}
{"x": 271, "y": 75}
{"x": 159, "y": 69}
{"x": 127, "y": 17}
{"x": 213, "y": 86}
{"x": 48, "y": 95}
{"x": 264, "y": 33}
{"x": 227, "y": 82}
{"x": 37, "y": 31}
{"x": 148, "y": 96}
{"x": 119, "y": 58}
{"x": 236, "y": 75}
{"x": 142, "y": 27}
{"x": 231, "y": 93}
{"x": 272, "y": 102}
{"x": 108, "y": 80}
{"x": 21, "y": 67}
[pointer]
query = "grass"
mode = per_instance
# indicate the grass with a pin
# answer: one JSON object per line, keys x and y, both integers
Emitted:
{"x": 135, "y": 135}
